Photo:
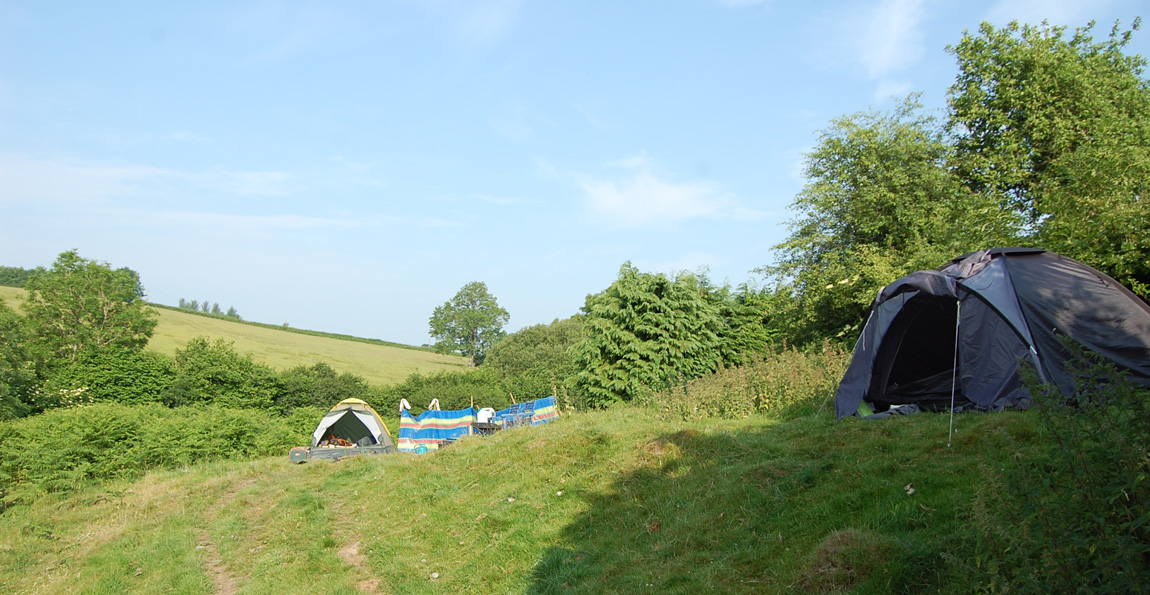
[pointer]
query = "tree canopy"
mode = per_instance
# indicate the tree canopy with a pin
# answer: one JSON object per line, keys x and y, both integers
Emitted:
{"x": 468, "y": 323}
{"x": 1056, "y": 128}
{"x": 1045, "y": 143}
{"x": 81, "y": 305}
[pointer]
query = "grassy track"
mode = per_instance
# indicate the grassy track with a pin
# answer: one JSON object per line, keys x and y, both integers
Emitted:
{"x": 607, "y": 502}
{"x": 378, "y": 364}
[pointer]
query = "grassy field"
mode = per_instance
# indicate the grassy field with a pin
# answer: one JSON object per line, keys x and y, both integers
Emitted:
{"x": 378, "y": 364}
{"x": 607, "y": 502}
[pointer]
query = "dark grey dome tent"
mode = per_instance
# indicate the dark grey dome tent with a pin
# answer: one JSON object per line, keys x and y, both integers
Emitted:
{"x": 968, "y": 326}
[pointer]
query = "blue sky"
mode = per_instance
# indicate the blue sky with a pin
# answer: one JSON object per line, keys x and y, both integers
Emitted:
{"x": 347, "y": 167}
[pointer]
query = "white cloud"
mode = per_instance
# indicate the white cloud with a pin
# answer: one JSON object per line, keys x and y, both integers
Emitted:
{"x": 882, "y": 39}
{"x": 476, "y": 20}
{"x": 891, "y": 39}
{"x": 1073, "y": 13}
{"x": 643, "y": 199}
{"x": 28, "y": 180}
{"x": 24, "y": 180}
{"x": 251, "y": 223}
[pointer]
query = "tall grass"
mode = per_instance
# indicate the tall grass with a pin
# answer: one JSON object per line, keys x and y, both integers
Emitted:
{"x": 784, "y": 383}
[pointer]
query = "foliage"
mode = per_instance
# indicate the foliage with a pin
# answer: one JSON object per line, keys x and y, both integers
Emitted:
{"x": 468, "y": 323}
{"x": 81, "y": 305}
{"x": 1057, "y": 130}
{"x": 215, "y": 373}
{"x": 645, "y": 331}
{"x": 880, "y": 202}
{"x": 1075, "y": 519}
{"x": 454, "y": 389}
{"x": 17, "y": 376}
{"x": 320, "y": 386}
{"x": 14, "y": 276}
{"x": 780, "y": 383}
{"x": 536, "y": 361}
{"x": 64, "y": 449}
{"x": 110, "y": 375}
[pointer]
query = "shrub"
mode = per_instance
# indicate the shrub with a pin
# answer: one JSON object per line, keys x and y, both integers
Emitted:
{"x": 215, "y": 373}
{"x": 319, "y": 386}
{"x": 1076, "y": 519}
{"x": 64, "y": 449}
{"x": 110, "y": 375}
{"x": 784, "y": 383}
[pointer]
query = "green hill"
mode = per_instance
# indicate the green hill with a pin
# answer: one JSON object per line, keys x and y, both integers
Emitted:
{"x": 376, "y": 362}
{"x": 607, "y": 502}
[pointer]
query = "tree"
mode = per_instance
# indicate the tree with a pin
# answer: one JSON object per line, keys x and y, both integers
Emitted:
{"x": 880, "y": 202}
{"x": 1057, "y": 130}
{"x": 468, "y": 323}
{"x": 536, "y": 360}
{"x": 645, "y": 331}
{"x": 17, "y": 377}
{"x": 81, "y": 305}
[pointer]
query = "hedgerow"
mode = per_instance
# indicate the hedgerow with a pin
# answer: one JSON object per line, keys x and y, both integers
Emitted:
{"x": 64, "y": 449}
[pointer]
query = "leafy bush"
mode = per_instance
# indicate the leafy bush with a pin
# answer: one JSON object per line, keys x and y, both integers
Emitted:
{"x": 320, "y": 386}
{"x": 785, "y": 383}
{"x": 110, "y": 375}
{"x": 216, "y": 373}
{"x": 1077, "y": 519}
{"x": 63, "y": 449}
{"x": 646, "y": 330}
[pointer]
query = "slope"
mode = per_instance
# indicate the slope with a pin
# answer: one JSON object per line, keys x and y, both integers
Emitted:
{"x": 376, "y": 363}
{"x": 618, "y": 501}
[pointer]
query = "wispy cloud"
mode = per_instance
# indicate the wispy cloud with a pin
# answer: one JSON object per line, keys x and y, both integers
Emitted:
{"x": 279, "y": 31}
{"x": 645, "y": 199}
{"x": 29, "y": 180}
{"x": 640, "y": 197}
{"x": 25, "y": 180}
{"x": 891, "y": 38}
{"x": 884, "y": 39}
{"x": 251, "y": 223}
{"x": 476, "y": 20}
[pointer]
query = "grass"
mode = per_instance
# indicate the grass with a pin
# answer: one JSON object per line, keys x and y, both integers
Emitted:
{"x": 281, "y": 349}
{"x": 620, "y": 501}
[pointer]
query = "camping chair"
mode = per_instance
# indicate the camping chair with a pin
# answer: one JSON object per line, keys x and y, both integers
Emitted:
{"x": 519, "y": 415}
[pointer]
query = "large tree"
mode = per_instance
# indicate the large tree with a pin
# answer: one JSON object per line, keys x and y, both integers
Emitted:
{"x": 80, "y": 305}
{"x": 1056, "y": 127}
{"x": 880, "y": 202}
{"x": 468, "y": 323}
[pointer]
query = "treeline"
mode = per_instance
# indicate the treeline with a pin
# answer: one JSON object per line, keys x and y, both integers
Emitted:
{"x": 208, "y": 308}
{"x": 14, "y": 276}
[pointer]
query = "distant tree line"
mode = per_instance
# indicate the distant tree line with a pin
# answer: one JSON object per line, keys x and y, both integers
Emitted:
{"x": 207, "y": 307}
{"x": 14, "y": 276}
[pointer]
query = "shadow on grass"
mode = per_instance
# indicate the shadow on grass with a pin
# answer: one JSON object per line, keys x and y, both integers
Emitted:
{"x": 750, "y": 511}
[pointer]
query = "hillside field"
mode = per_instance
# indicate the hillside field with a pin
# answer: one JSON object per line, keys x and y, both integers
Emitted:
{"x": 378, "y": 364}
{"x": 617, "y": 501}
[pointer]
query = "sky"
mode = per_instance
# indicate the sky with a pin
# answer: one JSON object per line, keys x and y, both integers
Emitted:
{"x": 349, "y": 166}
